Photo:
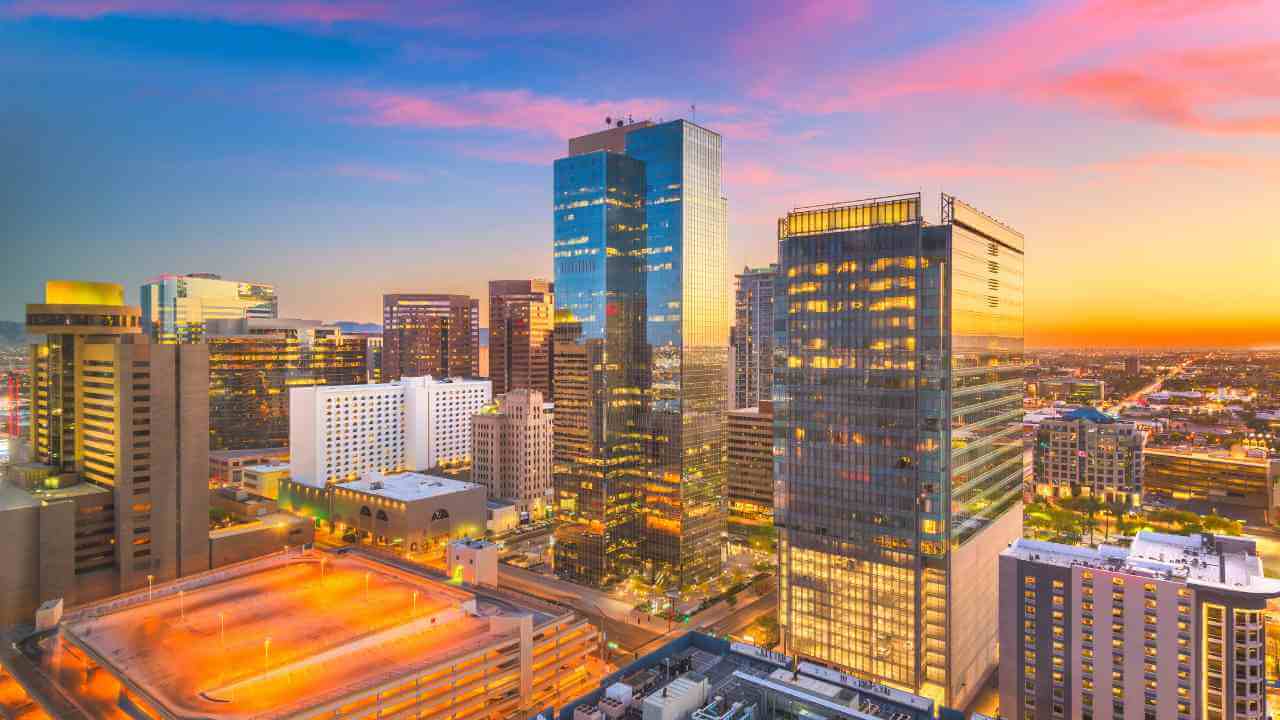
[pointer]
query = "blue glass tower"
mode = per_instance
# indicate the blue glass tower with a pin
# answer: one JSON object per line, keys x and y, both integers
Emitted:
{"x": 668, "y": 347}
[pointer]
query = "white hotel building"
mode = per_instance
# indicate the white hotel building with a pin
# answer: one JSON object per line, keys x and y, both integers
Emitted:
{"x": 337, "y": 433}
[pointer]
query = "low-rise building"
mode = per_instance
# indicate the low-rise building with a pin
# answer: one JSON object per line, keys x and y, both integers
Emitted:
{"x": 1170, "y": 627}
{"x": 264, "y": 480}
{"x": 410, "y": 510}
{"x": 1072, "y": 389}
{"x": 226, "y": 467}
{"x": 1237, "y": 486}
{"x": 305, "y": 635}
{"x": 1085, "y": 450}
{"x": 474, "y": 562}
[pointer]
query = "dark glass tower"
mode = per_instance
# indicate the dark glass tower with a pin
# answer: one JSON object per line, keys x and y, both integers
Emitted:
{"x": 600, "y": 369}
{"x": 753, "y": 336}
{"x": 670, "y": 354}
{"x": 897, "y": 433}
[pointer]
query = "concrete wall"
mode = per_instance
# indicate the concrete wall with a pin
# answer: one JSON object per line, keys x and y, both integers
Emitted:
{"x": 19, "y": 564}
{"x": 302, "y": 433}
{"x": 271, "y": 534}
{"x": 973, "y": 620}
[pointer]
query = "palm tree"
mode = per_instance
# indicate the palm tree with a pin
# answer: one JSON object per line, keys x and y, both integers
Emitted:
{"x": 1117, "y": 510}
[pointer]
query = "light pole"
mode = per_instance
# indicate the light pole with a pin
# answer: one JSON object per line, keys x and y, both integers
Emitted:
{"x": 266, "y": 654}
{"x": 150, "y": 586}
{"x": 323, "y": 560}
{"x": 366, "y": 587}
{"x": 182, "y": 605}
{"x": 222, "y": 629}
{"x": 415, "y": 602}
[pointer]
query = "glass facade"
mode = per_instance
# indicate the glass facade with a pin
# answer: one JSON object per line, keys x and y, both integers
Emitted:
{"x": 600, "y": 365}
{"x": 897, "y": 434}
{"x": 753, "y": 336}
{"x": 176, "y": 308}
{"x": 668, "y": 256}
{"x": 423, "y": 334}
{"x": 250, "y": 376}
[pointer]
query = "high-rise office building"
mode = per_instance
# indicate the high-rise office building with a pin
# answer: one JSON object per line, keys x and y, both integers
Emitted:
{"x": 1088, "y": 450}
{"x": 73, "y": 313}
{"x": 753, "y": 336}
{"x": 254, "y": 363}
{"x": 1132, "y": 365}
{"x": 750, "y": 484}
{"x": 338, "y": 433}
{"x": 642, "y": 320}
{"x": 511, "y": 451}
{"x": 426, "y": 334}
{"x": 177, "y": 308}
{"x": 119, "y": 493}
{"x": 521, "y": 321}
{"x": 1171, "y": 627}
{"x": 897, "y": 437}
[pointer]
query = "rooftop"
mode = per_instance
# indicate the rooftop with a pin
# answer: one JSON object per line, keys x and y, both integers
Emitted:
{"x": 1211, "y": 561}
{"x": 1218, "y": 455}
{"x": 739, "y": 672}
{"x": 407, "y": 487}
{"x": 250, "y": 453}
{"x": 267, "y": 467}
{"x": 1090, "y": 414}
{"x": 277, "y": 637}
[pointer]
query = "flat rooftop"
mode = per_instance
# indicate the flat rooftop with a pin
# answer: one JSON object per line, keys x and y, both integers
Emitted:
{"x": 1210, "y": 561}
{"x": 1223, "y": 456}
{"x": 13, "y": 497}
{"x": 407, "y": 487}
{"x": 249, "y": 453}
{"x": 267, "y": 467}
{"x": 275, "y": 637}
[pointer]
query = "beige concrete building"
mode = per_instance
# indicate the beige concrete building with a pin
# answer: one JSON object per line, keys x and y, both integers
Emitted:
{"x": 511, "y": 444}
{"x": 119, "y": 495}
{"x": 226, "y": 467}
{"x": 750, "y": 482}
{"x": 264, "y": 480}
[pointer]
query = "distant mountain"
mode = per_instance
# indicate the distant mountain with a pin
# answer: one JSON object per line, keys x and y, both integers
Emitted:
{"x": 356, "y": 327}
{"x": 13, "y": 333}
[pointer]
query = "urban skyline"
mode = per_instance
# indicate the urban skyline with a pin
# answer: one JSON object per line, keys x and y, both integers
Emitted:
{"x": 375, "y": 125}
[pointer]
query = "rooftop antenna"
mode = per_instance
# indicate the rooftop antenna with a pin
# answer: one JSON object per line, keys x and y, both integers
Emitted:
{"x": 694, "y": 110}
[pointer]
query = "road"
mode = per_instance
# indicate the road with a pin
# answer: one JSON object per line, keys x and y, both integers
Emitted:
{"x": 629, "y": 636}
{"x": 1153, "y": 387}
{"x": 741, "y": 618}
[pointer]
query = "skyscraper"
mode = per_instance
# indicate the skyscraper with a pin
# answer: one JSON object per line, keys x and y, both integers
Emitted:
{"x": 521, "y": 321}
{"x": 254, "y": 363}
{"x": 177, "y": 308}
{"x": 120, "y": 434}
{"x": 641, "y": 244}
{"x": 601, "y": 365}
{"x": 898, "y": 438}
{"x": 426, "y": 334}
{"x": 753, "y": 336}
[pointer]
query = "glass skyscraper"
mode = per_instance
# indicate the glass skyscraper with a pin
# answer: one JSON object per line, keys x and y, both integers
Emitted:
{"x": 752, "y": 336}
{"x": 177, "y": 308}
{"x": 897, "y": 434}
{"x": 667, "y": 343}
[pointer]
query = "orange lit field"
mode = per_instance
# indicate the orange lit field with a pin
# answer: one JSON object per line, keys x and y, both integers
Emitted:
{"x": 271, "y": 642}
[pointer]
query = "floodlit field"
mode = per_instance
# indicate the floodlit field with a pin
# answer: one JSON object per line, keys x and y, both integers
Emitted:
{"x": 279, "y": 639}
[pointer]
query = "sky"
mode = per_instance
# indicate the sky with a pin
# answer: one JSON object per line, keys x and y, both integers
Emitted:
{"x": 344, "y": 149}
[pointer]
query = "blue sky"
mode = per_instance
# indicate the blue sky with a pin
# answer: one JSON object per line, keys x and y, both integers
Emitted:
{"x": 342, "y": 150}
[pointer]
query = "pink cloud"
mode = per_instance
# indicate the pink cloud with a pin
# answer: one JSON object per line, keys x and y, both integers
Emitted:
{"x": 512, "y": 110}
{"x": 1092, "y": 52}
{"x": 1186, "y": 89}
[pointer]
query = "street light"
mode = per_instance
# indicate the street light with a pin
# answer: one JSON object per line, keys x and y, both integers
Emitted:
{"x": 150, "y": 586}
{"x": 366, "y": 586}
{"x": 266, "y": 653}
{"x": 182, "y": 605}
{"x": 323, "y": 561}
{"x": 222, "y": 630}
{"x": 415, "y": 602}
